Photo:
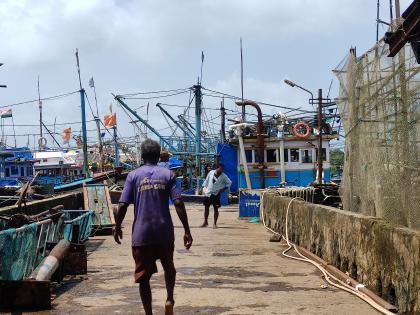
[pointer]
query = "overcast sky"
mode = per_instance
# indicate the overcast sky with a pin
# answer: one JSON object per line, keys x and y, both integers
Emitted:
{"x": 135, "y": 46}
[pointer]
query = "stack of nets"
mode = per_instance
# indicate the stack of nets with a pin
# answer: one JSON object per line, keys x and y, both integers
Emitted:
{"x": 379, "y": 103}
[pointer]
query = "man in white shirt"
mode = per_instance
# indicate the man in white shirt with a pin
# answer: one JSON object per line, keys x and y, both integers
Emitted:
{"x": 216, "y": 182}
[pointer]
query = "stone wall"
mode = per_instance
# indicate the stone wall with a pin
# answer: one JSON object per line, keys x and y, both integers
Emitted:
{"x": 70, "y": 201}
{"x": 382, "y": 256}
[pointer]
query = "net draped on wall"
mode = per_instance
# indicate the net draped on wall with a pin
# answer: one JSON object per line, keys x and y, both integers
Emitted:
{"x": 380, "y": 110}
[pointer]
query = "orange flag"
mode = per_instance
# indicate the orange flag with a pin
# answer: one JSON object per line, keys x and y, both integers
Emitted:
{"x": 66, "y": 135}
{"x": 110, "y": 120}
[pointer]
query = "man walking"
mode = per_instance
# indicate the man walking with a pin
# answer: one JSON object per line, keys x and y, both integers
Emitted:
{"x": 149, "y": 188}
{"x": 216, "y": 182}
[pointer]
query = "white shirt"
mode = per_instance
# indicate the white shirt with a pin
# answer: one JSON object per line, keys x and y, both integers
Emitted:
{"x": 213, "y": 187}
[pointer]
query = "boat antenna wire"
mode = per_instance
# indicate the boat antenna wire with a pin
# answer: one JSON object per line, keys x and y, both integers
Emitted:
{"x": 55, "y": 97}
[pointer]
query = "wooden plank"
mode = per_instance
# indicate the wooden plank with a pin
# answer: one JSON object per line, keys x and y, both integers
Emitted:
{"x": 85, "y": 197}
{"x": 98, "y": 199}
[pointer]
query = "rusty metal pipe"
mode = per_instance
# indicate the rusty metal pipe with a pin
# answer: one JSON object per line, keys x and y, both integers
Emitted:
{"x": 50, "y": 264}
{"x": 260, "y": 138}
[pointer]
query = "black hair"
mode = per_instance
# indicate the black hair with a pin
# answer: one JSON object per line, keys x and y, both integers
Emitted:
{"x": 221, "y": 165}
{"x": 150, "y": 151}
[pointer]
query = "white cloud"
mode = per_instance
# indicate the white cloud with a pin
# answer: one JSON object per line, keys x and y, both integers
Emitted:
{"x": 132, "y": 45}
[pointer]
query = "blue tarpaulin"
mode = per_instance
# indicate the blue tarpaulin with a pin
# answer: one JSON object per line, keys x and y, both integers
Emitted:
{"x": 22, "y": 153}
{"x": 229, "y": 158}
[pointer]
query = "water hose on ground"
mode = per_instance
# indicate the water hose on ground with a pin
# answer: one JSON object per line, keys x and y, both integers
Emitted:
{"x": 327, "y": 275}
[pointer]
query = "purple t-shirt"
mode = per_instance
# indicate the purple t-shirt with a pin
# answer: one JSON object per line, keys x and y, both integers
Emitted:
{"x": 149, "y": 188}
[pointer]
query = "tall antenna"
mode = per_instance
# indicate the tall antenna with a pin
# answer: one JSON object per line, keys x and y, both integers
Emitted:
{"x": 242, "y": 82}
{"x": 201, "y": 71}
{"x": 40, "y": 113}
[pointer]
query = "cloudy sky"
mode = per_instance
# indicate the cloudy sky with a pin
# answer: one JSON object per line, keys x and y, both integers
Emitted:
{"x": 149, "y": 45}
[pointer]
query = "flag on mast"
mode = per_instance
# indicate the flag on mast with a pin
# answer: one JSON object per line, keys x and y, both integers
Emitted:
{"x": 110, "y": 120}
{"x": 5, "y": 112}
{"x": 66, "y": 135}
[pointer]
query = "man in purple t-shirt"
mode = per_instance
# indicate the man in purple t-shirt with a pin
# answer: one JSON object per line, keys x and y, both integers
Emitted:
{"x": 149, "y": 188}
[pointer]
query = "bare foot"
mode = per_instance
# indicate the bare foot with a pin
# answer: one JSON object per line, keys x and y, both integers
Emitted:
{"x": 169, "y": 308}
{"x": 204, "y": 224}
{"x": 214, "y": 226}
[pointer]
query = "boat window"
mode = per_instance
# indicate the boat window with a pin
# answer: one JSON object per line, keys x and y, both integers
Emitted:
{"x": 286, "y": 155}
{"x": 294, "y": 155}
{"x": 14, "y": 170}
{"x": 45, "y": 160}
{"x": 22, "y": 171}
{"x": 7, "y": 172}
{"x": 30, "y": 171}
{"x": 307, "y": 156}
{"x": 248, "y": 155}
{"x": 271, "y": 155}
{"x": 256, "y": 156}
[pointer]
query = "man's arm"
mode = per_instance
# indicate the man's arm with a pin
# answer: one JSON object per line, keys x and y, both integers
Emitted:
{"x": 119, "y": 216}
{"x": 228, "y": 182}
{"x": 127, "y": 197}
{"x": 182, "y": 214}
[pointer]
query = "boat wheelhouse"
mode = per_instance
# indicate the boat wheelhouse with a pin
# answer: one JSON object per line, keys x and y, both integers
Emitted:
{"x": 17, "y": 164}
{"x": 58, "y": 167}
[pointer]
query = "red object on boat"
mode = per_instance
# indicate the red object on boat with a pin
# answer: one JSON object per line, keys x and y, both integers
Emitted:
{"x": 297, "y": 130}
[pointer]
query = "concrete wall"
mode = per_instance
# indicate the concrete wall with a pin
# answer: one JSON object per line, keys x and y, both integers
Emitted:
{"x": 382, "y": 256}
{"x": 71, "y": 201}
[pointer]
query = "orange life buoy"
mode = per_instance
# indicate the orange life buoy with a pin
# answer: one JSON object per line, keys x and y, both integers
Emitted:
{"x": 297, "y": 130}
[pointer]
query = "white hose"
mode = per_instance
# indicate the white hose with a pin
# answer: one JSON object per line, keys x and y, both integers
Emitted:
{"x": 340, "y": 285}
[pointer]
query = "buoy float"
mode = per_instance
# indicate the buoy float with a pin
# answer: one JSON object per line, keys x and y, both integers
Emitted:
{"x": 298, "y": 127}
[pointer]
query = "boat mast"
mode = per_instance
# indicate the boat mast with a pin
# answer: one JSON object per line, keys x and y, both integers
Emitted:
{"x": 40, "y": 115}
{"x": 98, "y": 127}
{"x": 83, "y": 112}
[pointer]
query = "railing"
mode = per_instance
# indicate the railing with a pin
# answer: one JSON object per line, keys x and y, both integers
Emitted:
{"x": 77, "y": 225}
{"x": 22, "y": 249}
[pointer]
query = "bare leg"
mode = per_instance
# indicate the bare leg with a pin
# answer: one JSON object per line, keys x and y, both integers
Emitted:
{"x": 146, "y": 294}
{"x": 170, "y": 276}
{"x": 206, "y": 215}
{"x": 216, "y": 216}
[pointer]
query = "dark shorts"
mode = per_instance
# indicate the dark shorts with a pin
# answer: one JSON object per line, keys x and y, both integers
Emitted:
{"x": 145, "y": 259}
{"x": 212, "y": 200}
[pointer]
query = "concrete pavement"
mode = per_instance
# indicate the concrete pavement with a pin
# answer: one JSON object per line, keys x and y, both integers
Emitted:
{"x": 230, "y": 270}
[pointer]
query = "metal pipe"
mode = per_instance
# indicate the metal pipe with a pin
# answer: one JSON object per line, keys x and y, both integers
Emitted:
{"x": 118, "y": 98}
{"x": 50, "y": 264}
{"x": 198, "y": 112}
{"x": 244, "y": 162}
{"x": 239, "y": 128}
{"x": 116, "y": 151}
{"x": 320, "y": 158}
{"x": 100, "y": 143}
{"x": 260, "y": 138}
{"x": 84, "y": 133}
{"x": 223, "y": 120}
{"x": 282, "y": 162}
